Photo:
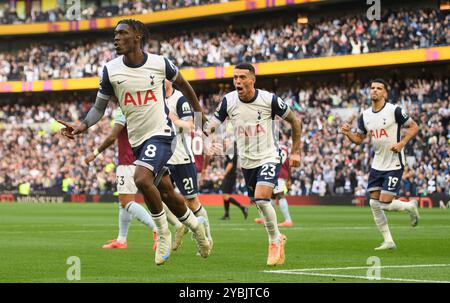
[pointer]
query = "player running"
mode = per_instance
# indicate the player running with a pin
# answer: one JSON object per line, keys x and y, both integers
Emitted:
{"x": 136, "y": 78}
{"x": 252, "y": 113}
{"x": 383, "y": 122}
{"x": 282, "y": 188}
{"x": 182, "y": 163}
{"x": 126, "y": 188}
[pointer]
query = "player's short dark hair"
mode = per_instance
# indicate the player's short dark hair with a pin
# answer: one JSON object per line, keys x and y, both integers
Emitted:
{"x": 138, "y": 27}
{"x": 247, "y": 66}
{"x": 379, "y": 80}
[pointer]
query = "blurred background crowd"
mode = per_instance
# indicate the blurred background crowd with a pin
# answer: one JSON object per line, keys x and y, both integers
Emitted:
{"x": 254, "y": 42}
{"x": 9, "y": 15}
{"x": 33, "y": 151}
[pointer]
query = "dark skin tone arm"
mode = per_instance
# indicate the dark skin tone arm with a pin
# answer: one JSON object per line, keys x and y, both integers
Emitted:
{"x": 289, "y": 181}
{"x": 205, "y": 166}
{"x": 190, "y": 95}
{"x": 109, "y": 140}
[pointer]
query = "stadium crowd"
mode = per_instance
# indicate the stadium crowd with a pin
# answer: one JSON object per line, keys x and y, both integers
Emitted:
{"x": 251, "y": 43}
{"x": 33, "y": 152}
{"x": 8, "y": 13}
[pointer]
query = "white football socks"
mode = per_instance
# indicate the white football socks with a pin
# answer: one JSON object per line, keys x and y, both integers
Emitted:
{"x": 380, "y": 220}
{"x": 201, "y": 212}
{"x": 124, "y": 223}
{"x": 140, "y": 213}
{"x": 189, "y": 220}
{"x": 396, "y": 205}
{"x": 285, "y": 209}
{"x": 269, "y": 215}
{"x": 171, "y": 218}
{"x": 162, "y": 227}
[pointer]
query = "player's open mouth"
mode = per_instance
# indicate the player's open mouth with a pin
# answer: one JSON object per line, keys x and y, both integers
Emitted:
{"x": 239, "y": 89}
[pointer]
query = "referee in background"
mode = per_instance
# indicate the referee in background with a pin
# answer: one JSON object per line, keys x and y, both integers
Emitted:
{"x": 229, "y": 181}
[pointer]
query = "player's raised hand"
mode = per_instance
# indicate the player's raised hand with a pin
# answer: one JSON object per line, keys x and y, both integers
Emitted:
{"x": 70, "y": 130}
{"x": 67, "y": 131}
{"x": 80, "y": 128}
{"x": 347, "y": 126}
{"x": 294, "y": 160}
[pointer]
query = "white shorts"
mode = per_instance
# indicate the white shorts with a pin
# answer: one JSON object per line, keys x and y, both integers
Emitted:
{"x": 125, "y": 179}
{"x": 280, "y": 187}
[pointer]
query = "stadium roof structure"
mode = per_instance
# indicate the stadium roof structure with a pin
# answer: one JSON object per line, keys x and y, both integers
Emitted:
{"x": 187, "y": 13}
{"x": 388, "y": 58}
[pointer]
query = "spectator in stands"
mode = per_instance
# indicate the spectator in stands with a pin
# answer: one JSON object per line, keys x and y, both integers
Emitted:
{"x": 282, "y": 40}
{"x": 8, "y": 14}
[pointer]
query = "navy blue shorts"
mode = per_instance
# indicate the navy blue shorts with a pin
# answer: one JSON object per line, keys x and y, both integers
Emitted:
{"x": 388, "y": 182}
{"x": 266, "y": 174}
{"x": 154, "y": 152}
{"x": 185, "y": 178}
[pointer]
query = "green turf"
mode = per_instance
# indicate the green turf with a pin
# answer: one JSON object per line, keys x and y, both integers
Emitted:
{"x": 37, "y": 239}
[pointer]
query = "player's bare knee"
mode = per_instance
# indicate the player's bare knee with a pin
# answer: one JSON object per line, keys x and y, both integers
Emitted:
{"x": 193, "y": 203}
{"x": 386, "y": 198}
{"x": 375, "y": 195}
{"x": 263, "y": 195}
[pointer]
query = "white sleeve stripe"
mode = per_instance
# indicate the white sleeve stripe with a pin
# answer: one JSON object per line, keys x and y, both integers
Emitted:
{"x": 408, "y": 122}
{"x": 174, "y": 77}
{"x": 102, "y": 96}
{"x": 119, "y": 122}
{"x": 286, "y": 113}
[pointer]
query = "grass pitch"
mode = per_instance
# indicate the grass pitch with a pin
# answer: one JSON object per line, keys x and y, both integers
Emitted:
{"x": 327, "y": 244}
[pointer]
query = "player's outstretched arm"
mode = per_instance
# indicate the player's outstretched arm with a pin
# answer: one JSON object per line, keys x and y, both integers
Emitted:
{"x": 412, "y": 131}
{"x": 109, "y": 140}
{"x": 294, "y": 160}
{"x": 95, "y": 113}
{"x": 190, "y": 95}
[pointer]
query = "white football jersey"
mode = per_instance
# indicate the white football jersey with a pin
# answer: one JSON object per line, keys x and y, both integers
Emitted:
{"x": 140, "y": 91}
{"x": 383, "y": 128}
{"x": 254, "y": 126}
{"x": 179, "y": 106}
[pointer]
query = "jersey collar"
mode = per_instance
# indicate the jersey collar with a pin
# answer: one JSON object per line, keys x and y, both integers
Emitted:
{"x": 384, "y": 105}
{"x": 137, "y": 65}
{"x": 252, "y": 99}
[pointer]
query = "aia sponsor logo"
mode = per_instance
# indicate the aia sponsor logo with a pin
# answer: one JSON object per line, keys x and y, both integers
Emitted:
{"x": 140, "y": 98}
{"x": 250, "y": 130}
{"x": 378, "y": 133}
